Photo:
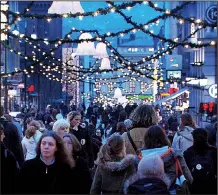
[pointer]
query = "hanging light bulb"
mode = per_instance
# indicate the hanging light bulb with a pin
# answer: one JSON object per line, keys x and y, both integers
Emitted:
{"x": 101, "y": 51}
{"x": 64, "y": 7}
{"x": 117, "y": 93}
{"x": 105, "y": 64}
{"x": 86, "y": 47}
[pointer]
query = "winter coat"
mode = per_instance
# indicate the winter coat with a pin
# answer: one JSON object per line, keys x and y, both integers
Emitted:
{"x": 183, "y": 139}
{"x": 137, "y": 135}
{"x": 37, "y": 177}
{"x": 85, "y": 140}
{"x": 9, "y": 171}
{"x": 141, "y": 185}
{"x": 12, "y": 140}
{"x": 29, "y": 145}
{"x": 169, "y": 163}
{"x": 110, "y": 177}
{"x": 84, "y": 179}
{"x": 202, "y": 185}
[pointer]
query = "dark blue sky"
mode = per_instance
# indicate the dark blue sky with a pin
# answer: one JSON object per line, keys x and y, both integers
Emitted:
{"x": 113, "y": 22}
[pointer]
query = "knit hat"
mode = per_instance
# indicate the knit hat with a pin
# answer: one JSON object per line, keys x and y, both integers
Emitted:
{"x": 128, "y": 123}
{"x": 151, "y": 166}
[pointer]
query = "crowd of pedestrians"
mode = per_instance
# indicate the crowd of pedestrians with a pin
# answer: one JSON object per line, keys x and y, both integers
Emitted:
{"x": 112, "y": 150}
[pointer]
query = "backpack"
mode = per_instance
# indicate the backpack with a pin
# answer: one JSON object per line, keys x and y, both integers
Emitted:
{"x": 202, "y": 169}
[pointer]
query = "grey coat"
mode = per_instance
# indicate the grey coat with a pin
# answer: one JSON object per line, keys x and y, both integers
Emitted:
{"x": 170, "y": 167}
{"x": 110, "y": 177}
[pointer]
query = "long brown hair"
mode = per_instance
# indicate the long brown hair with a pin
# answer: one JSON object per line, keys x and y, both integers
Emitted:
{"x": 61, "y": 155}
{"x": 114, "y": 146}
{"x": 143, "y": 116}
{"x": 187, "y": 120}
{"x": 155, "y": 138}
{"x": 76, "y": 144}
{"x": 31, "y": 130}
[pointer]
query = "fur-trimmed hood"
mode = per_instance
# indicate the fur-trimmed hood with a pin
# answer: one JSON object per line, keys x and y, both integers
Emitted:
{"x": 126, "y": 162}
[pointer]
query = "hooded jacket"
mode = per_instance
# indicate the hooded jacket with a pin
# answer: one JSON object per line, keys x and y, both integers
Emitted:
{"x": 139, "y": 184}
{"x": 110, "y": 177}
{"x": 183, "y": 139}
{"x": 169, "y": 163}
{"x": 137, "y": 135}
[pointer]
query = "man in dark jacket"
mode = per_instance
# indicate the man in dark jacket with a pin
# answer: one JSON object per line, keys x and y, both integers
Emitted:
{"x": 12, "y": 139}
{"x": 9, "y": 168}
{"x": 201, "y": 159}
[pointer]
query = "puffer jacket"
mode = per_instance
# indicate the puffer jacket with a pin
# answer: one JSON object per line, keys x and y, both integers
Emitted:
{"x": 169, "y": 163}
{"x": 183, "y": 139}
{"x": 139, "y": 184}
{"x": 110, "y": 177}
{"x": 137, "y": 135}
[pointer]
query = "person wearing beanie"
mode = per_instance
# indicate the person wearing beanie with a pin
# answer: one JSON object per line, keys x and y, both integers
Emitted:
{"x": 201, "y": 158}
{"x": 128, "y": 124}
{"x": 113, "y": 167}
{"x": 149, "y": 179}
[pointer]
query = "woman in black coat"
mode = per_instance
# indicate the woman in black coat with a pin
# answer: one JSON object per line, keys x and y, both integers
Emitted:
{"x": 84, "y": 180}
{"x": 9, "y": 168}
{"x": 51, "y": 171}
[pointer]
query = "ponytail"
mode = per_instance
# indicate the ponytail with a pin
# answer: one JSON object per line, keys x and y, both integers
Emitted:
{"x": 31, "y": 130}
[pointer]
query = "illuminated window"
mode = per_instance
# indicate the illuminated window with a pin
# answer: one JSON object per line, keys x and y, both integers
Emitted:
{"x": 98, "y": 86}
{"x": 143, "y": 87}
{"x": 110, "y": 87}
{"x": 132, "y": 86}
{"x": 151, "y": 49}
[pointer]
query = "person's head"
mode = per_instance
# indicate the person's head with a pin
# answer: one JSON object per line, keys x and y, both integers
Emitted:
{"x": 54, "y": 113}
{"x": 50, "y": 145}
{"x": 122, "y": 116}
{"x": 155, "y": 138}
{"x": 72, "y": 143}
{"x": 187, "y": 120}
{"x": 115, "y": 147}
{"x": 61, "y": 127}
{"x": 128, "y": 124}
{"x": 74, "y": 118}
{"x": 200, "y": 138}
{"x": 144, "y": 116}
{"x": 35, "y": 124}
{"x": 2, "y": 136}
{"x": 9, "y": 118}
{"x": 1, "y": 111}
{"x": 152, "y": 167}
{"x": 32, "y": 127}
{"x": 93, "y": 120}
{"x": 121, "y": 127}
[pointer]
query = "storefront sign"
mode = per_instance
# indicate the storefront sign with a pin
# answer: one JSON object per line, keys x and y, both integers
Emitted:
{"x": 20, "y": 86}
{"x": 164, "y": 94}
{"x": 213, "y": 91}
{"x": 173, "y": 62}
{"x": 211, "y": 14}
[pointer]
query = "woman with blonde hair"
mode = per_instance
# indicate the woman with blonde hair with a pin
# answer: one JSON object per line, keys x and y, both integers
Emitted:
{"x": 183, "y": 139}
{"x": 113, "y": 167}
{"x": 81, "y": 166}
{"x": 29, "y": 142}
{"x": 61, "y": 127}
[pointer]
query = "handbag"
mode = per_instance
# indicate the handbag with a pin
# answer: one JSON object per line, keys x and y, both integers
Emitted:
{"x": 180, "y": 186}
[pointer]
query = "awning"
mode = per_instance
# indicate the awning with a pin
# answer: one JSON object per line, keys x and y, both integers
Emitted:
{"x": 173, "y": 96}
